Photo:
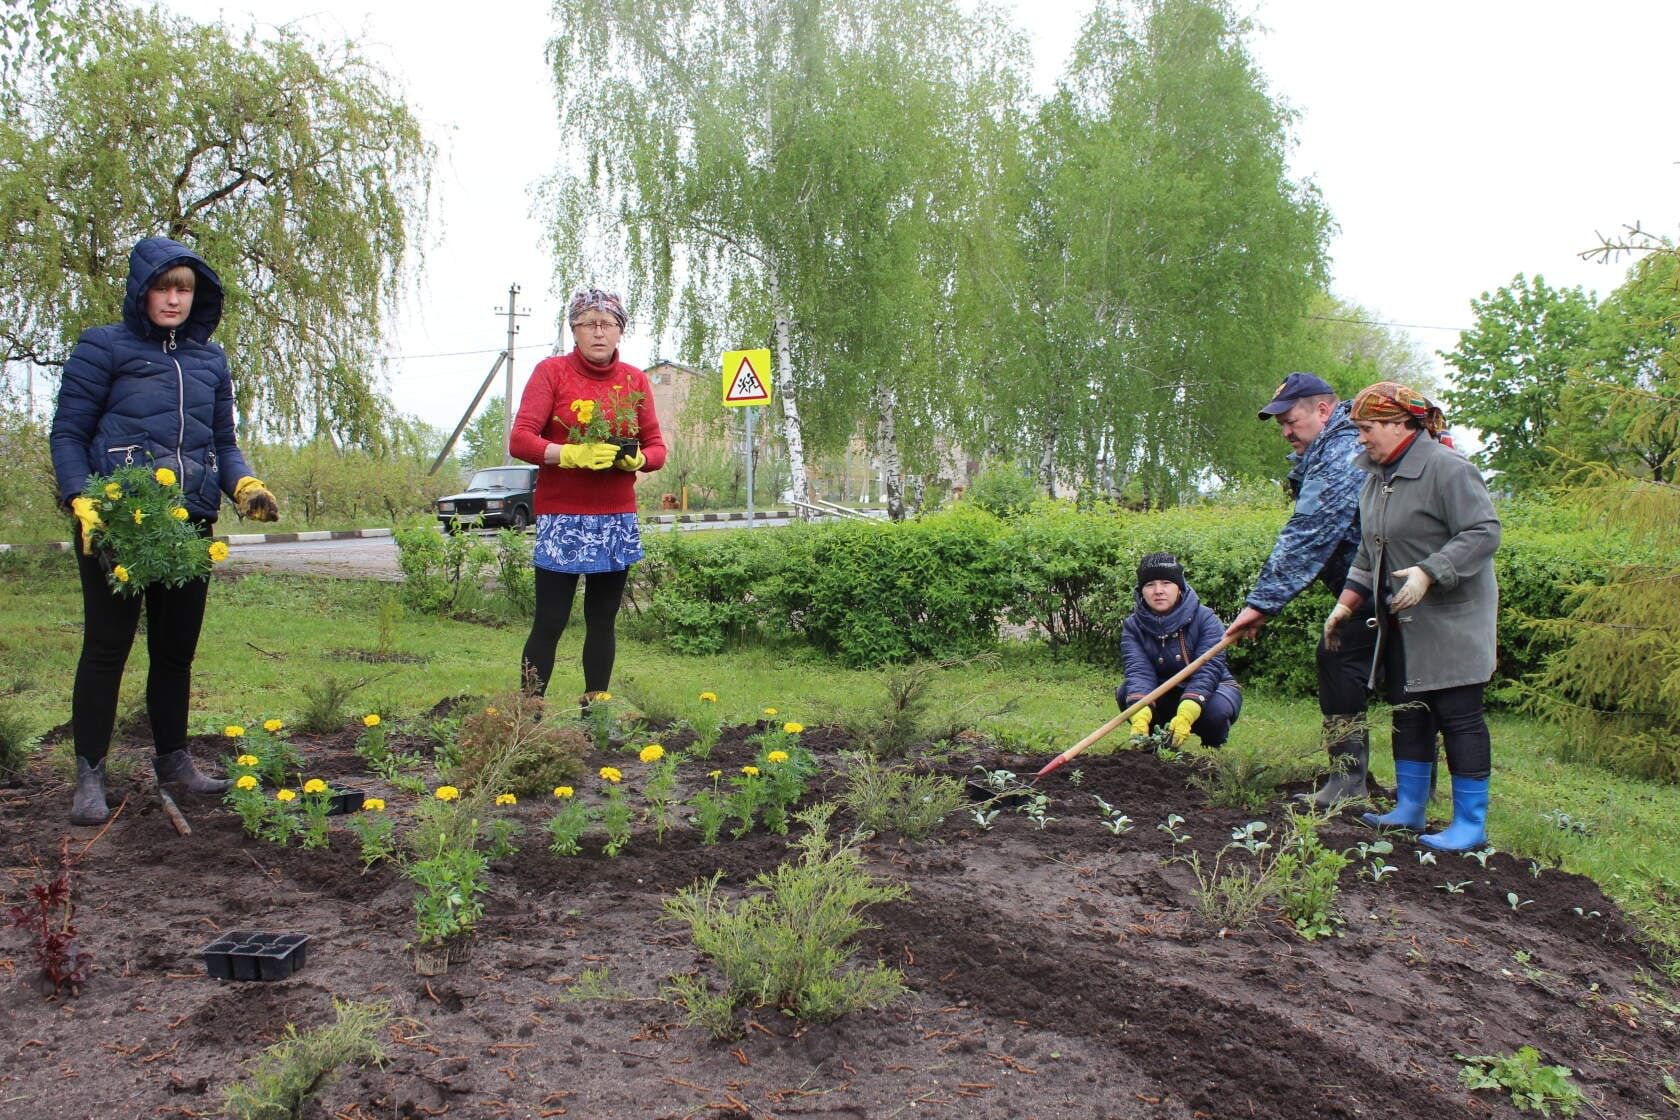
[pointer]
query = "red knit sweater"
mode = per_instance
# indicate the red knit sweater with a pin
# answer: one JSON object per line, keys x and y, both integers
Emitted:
{"x": 544, "y": 415}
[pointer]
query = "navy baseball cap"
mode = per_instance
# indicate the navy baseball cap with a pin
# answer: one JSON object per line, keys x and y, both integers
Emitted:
{"x": 1294, "y": 387}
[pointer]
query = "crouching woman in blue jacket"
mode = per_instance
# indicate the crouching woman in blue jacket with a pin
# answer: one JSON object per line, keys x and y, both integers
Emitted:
{"x": 152, "y": 391}
{"x": 1168, "y": 629}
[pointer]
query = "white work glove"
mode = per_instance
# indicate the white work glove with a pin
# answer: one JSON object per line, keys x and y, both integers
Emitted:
{"x": 1339, "y": 614}
{"x": 1412, "y": 591}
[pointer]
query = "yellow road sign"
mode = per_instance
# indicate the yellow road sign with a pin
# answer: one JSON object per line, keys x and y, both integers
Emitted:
{"x": 746, "y": 377}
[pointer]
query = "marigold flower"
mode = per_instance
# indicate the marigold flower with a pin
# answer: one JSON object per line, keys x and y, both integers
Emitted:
{"x": 611, "y": 774}
{"x": 113, "y": 491}
{"x": 446, "y": 793}
{"x": 121, "y": 573}
{"x": 247, "y": 760}
{"x": 179, "y": 513}
{"x": 139, "y": 515}
{"x": 506, "y": 799}
{"x": 284, "y": 795}
{"x": 373, "y": 804}
{"x": 562, "y": 791}
{"x": 750, "y": 771}
{"x": 233, "y": 731}
{"x": 371, "y": 720}
{"x": 709, "y": 697}
{"x": 653, "y": 752}
{"x": 776, "y": 757}
{"x": 584, "y": 408}
{"x": 489, "y": 711}
{"x": 603, "y": 696}
{"x": 165, "y": 476}
{"x": 218, "y": 551}
{"x": 247, "y": 782}
{"x": 715, "y": 775}
{"x": 793, "y": 728}
{"x": 272, "y": 725}
{"x": 315, "y": 785}
{"x": 770, "y": 711}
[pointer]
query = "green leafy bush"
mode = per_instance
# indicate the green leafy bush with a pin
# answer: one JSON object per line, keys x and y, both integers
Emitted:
{"x": 1003, "y": 491}
{"x": 442, "y": 574}
{"x": 1533, "y": 1086}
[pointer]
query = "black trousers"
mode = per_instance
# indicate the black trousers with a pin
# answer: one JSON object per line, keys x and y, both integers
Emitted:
{"x": 174, "y": 617}
{"x": 1343, "y": 672}
{"x": 1455, "y": 714}
{"x": 602, "y": 594}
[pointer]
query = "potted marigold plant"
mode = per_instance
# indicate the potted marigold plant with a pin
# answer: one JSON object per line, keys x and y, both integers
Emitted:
{"x": 612, "y": 421}
{"x": 144, "y": 534}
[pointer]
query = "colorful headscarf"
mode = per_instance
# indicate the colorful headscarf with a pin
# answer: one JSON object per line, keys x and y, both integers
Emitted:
{"x": 594, "y": 299}
{"x": 1390, "y": 400}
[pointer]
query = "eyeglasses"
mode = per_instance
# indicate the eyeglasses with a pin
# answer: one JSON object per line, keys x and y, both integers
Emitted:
{"x": 595, "y": 325}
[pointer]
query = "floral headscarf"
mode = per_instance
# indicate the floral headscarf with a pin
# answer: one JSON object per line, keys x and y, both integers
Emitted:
{"x": 1390, "y": 400}
{"x": 594, "y": 299}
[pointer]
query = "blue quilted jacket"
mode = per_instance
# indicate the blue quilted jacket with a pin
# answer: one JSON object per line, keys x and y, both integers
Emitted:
{"x": 134, "y": 393}
{"x": 1322, "y": 533}
{"x": 1154, "y": 647}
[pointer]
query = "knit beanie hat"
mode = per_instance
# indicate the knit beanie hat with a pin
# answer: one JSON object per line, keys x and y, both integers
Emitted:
{"x": 1160, "y": 565}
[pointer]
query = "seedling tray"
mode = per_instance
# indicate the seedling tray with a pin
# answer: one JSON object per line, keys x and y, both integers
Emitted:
{"x": 346, "y": 801}
{"x": 255, "y": 955}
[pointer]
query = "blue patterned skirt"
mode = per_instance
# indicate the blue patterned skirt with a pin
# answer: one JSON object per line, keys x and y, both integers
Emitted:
{"x": 581, "y": 543}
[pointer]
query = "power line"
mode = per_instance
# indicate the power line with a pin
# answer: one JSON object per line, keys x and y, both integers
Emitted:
{"x": 1386, "y": 323}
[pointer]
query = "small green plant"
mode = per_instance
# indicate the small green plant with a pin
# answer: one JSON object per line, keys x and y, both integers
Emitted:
{"x": 568, "y": 824}
{"x": 17, "y": 739}
{"x": 1231, "y": 898}
{"x": 1452, "y": 887}
{"x": 1170, "y": 827}
{"x": 1480, "y": 857}
{"x": 1532, "y": 1085}
{"x": 500, "y": 833}
{"x": 882, "y": 797}
{"x": 1516, "y": 902}
{"x": 508, "y": 738}
{"x": 788, "y": 944}
{"x": 896, "y": 721}
{"x": 707, "y": 721}
{"x": 660, "y": 788}
{"x": 983, "y": 817}
{"x": 447, "y": 904}
{"x": 375, "y": 832}
{"x": 617, "y": 816}
{"x": 594, "y": 984}
{"x": 745, "y": 799}
{"x": 599, "y": 719}
{"x": 284, "y": 1076}
{"x": 1308, "y": 876}
{"x": 316, "y": 803}
{"x": 1114, "y": 820}
{"x": 1247, "y": 837}
{"x": 1424, "y": 858}
{"x": 1248, "y": 774}
{"x": 277, "y": 760}
{"x": 711, "y": 810}
{"x": 326, "y": 702}
{"x": 1037, "y": 810}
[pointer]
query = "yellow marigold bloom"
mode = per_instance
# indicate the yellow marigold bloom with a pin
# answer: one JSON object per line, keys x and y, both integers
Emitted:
{"x": 247, "y": 781}
{"x": 139, "y": 515}
{"x": 506, "y": 799}
{"x": 776, "y": 757}
{"x": 611, "y": 774}
{"x": 562, "y": 791}
{"x": 315, "y": 785}
{"x": 603, "y": 696}
{"x": 113, "y": 491}
{"x": 446, "y": 793}
{"x": 770, "y": 711}
{"x": 584, "y": 409}
{"x": 653, "y": 752}
{"x": 272, "y": 725}
{"x": 121, "y": 573}
{"x": 709, "y": 697}
{"x": 247, "y": 760}
{"x": 233, "y": 731}
{"x": 793, "y": 728}
{"x": 750, "y": 771}
{"x": 179, "y": 513}
{"x": 373, "y": 804}
{"x": 284, "y": 795}
{"x": 218, "y": 551}
{"x": 165, "y": 476}
{"x": 371, "y": 720}
{"x": 715, "y": 775}
{"x": 489, "y": 711}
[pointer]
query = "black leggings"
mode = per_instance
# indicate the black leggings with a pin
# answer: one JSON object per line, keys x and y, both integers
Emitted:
{"x": 174, "y": 616}
{"x": 1453, "y": 713}
{"x": 602, "y": 594}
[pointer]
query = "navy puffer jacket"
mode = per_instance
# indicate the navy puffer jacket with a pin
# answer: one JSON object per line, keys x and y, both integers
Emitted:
{"x": 1154, "y": 647}
{"x": 134, "y": 393}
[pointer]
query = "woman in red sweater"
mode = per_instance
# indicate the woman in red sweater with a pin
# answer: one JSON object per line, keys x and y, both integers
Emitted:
{"x": 586, "y": 487}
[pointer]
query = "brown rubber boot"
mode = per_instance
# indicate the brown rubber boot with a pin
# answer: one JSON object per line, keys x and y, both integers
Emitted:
{"x": 88, "y": 807}
{"x": 177, "y": 771}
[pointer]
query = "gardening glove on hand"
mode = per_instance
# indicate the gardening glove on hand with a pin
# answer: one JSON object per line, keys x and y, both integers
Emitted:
{"x": 1188, "y": 713}
{"x": 630, "y": 462}
{"x": 588, "y": 456}
{"x": 1411, "y": 592}
{"x": 1339, "y": 614}
{"x": 1140, "y": 721}
{"x": 89, "y": 517}
{"x": 253, "y": 500}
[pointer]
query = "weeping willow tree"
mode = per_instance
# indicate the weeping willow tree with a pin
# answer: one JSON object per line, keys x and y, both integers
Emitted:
{"x": 1614, "y": 685}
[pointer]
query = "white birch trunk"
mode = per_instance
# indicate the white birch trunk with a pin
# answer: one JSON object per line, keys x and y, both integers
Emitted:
{"x": 791, "y": 433}
{"x": 886, "y": 441}
{"x": 1047, "y": 465}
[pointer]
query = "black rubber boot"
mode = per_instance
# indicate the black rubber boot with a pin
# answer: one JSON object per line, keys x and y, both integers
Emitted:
{"x": 176, "y": 770}
{"x": 1351, "y": 756}
{"x": 88, "y": 806}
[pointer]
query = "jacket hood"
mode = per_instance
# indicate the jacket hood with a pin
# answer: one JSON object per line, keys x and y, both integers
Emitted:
{"x": 1160, "y": 625}
{"x": 152, "y": 257}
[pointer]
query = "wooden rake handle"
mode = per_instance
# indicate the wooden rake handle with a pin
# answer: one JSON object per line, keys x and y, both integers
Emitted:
{"x": 1171, "y": 683}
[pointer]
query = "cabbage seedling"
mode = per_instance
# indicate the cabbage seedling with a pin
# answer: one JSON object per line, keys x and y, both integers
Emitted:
{"x": 1453, "y": 888}
{"x": 1481, "y": 857}
{"x": 1248, "y": 838}
{"x": 1170, "y": 827}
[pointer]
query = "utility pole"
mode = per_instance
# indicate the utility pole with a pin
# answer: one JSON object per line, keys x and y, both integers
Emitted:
{"x": 507, "y": 406}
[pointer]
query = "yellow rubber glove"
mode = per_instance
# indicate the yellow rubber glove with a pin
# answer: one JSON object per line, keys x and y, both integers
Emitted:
{"x": 89, "y": 517}
{"x": 588, "y": 456}
{"x": 252, "y": 499}
{"x": 1140, "y": 721}
{"x": 631, "y": 463}
{"x": 1188, "y": 713}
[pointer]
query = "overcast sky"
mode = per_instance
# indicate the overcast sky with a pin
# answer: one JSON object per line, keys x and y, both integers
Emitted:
{"x": 1456, "y": 143}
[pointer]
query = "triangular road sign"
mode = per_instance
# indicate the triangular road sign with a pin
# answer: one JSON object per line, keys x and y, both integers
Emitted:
{"x": 746, "y": 377}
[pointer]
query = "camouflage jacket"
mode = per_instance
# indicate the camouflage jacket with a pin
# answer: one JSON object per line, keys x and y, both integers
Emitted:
{"x": 1322, "y": 534}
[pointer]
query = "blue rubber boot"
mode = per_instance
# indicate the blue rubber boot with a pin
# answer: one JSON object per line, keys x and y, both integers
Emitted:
{"x": 1411, "y": 796}
{"x": 1468, "y": 830}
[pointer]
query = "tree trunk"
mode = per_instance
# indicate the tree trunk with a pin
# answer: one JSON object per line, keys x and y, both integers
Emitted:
{"x": 886, "y": 441}
{"x": 791, "y": 434}
{"x": 1047, "y": 465}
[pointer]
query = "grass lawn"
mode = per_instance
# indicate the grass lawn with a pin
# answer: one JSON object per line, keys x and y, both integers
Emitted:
{"x": 265, "y": 637}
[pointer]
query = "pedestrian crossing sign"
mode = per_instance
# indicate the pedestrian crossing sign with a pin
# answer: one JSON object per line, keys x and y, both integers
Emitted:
{"x": 746, "y": 377}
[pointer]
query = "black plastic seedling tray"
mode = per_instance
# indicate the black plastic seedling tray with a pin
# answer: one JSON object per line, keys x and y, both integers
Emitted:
{"x": 346, "y": 801}
{"x": 255, "y": 955}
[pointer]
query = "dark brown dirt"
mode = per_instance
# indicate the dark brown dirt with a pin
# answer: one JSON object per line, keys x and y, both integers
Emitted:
{"x": 1055, "y": 972}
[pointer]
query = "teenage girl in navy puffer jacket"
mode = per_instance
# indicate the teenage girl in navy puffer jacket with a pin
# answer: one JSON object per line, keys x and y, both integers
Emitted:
{"x": 1169, "y": 629}
{"x": 152, "y": 390}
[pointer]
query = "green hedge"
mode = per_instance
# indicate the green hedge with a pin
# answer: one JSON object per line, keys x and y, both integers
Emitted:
{"x": 951, "y": 583}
